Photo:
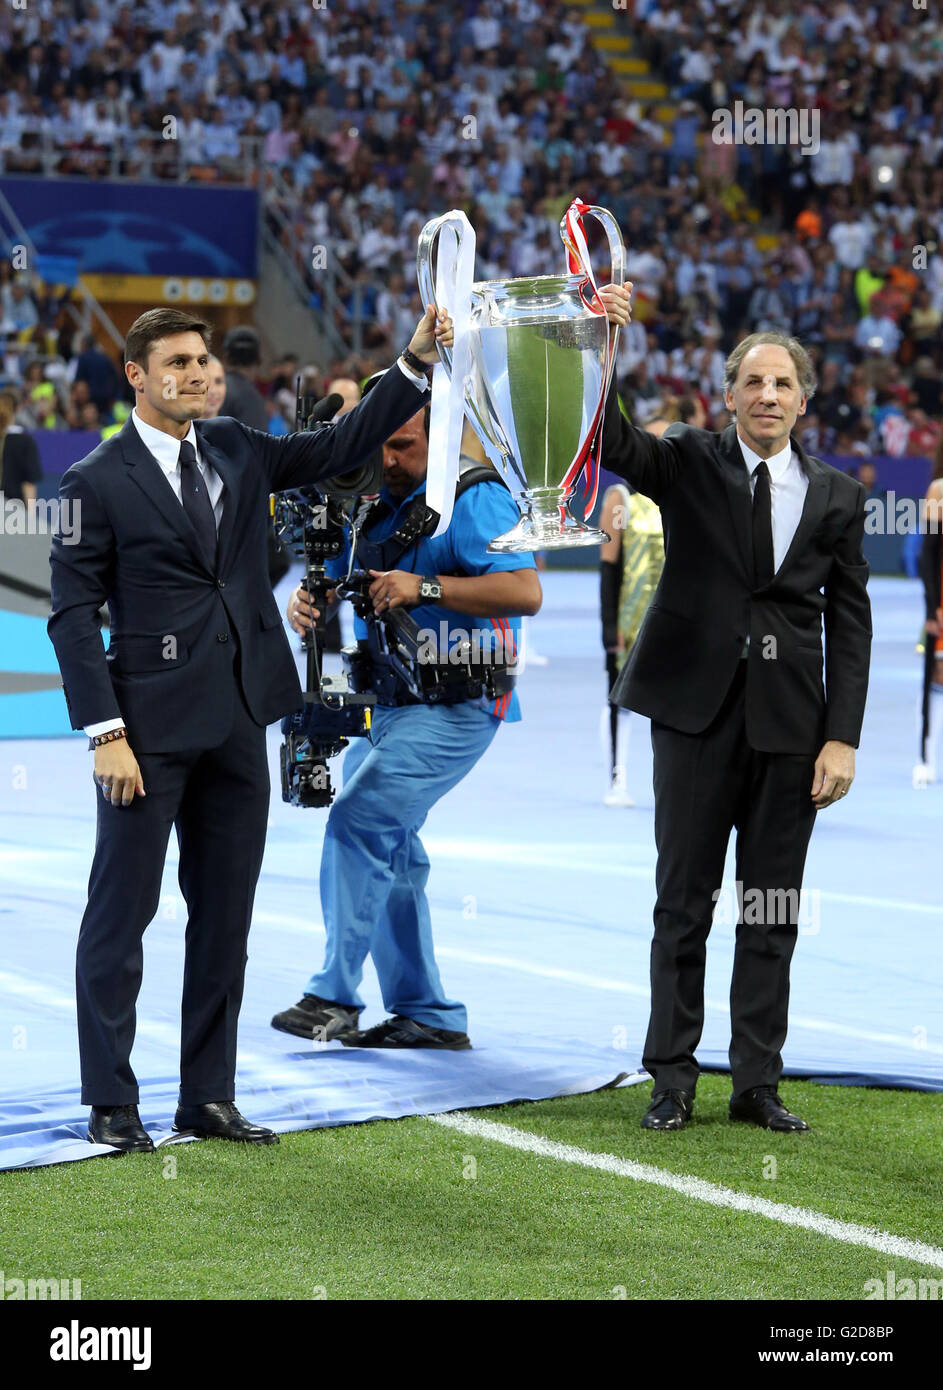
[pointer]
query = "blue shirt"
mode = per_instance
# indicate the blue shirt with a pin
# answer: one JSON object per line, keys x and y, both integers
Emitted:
{"x": 484, "y": 511}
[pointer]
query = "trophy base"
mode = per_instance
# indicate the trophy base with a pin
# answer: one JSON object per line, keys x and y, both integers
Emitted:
{"x": 542, "y": 529}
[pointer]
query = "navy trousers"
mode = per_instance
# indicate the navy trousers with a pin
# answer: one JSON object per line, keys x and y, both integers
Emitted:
{"x": 217, "y": 801}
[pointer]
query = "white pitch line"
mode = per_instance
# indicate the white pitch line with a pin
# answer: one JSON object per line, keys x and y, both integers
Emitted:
{"x": 867, "y": 1236}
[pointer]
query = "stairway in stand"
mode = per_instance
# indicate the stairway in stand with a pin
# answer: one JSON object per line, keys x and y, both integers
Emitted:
{"x": 613, "y": 41}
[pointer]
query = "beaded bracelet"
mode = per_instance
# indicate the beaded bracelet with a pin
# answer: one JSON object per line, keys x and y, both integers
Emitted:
{"x": 110, "y": 737}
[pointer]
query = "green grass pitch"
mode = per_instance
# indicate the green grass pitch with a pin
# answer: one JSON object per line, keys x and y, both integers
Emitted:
{"x": 408, "y": 1209}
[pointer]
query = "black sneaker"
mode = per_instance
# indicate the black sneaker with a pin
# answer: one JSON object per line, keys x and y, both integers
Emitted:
{"x": 406, "y": 1032}
{"x": 317, "y": 1019}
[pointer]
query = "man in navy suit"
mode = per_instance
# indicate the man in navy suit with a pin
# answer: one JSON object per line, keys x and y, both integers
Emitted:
{"x": 171, "y": 518}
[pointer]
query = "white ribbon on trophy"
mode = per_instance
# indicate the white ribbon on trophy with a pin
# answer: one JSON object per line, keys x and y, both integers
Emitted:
{"x": 455, "y": 275}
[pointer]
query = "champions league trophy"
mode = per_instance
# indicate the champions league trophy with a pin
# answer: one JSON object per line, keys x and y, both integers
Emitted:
{"x": 530, "y": 367}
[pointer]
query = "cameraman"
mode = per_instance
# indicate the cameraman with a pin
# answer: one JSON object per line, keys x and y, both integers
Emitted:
{"x": 373, "y": 865}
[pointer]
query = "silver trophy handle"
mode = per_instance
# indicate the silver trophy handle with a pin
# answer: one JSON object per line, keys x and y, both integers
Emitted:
{"x": 424, "y": 272}
{"x": 617, "y": 260}
{"x": 479, "y": 415}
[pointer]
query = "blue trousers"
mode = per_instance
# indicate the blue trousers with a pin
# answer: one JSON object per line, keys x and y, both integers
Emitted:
{"x": 374, "y": 868}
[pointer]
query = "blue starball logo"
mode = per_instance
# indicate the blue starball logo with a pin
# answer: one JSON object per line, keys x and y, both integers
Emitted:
{"x": 129, "y": 242}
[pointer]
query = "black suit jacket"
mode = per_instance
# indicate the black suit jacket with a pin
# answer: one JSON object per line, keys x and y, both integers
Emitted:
{"x": 705, "y": 606}
{"x": 931, "y": 560}
{"x": 168, "y": 671}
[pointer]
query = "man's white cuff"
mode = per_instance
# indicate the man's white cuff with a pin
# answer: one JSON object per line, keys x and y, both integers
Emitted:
{"x": 420, "y": 383}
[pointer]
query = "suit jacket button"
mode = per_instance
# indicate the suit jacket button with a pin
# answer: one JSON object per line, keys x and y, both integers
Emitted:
{"x": 220, "y": 583}
{"x": 222, "y": 636}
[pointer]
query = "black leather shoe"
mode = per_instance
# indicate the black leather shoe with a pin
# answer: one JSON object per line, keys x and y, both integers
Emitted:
{"x": 406, "y": 1032}
{"x": 120, "y": 1126}
{"x": 762, "y": 1106}
{"x": 330, "y": 1019}
{"x": 220, "y": 1119}
{"x": 668, "y": 1110}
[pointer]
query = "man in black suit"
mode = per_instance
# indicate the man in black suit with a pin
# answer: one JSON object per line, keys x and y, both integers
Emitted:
{"x": 171, "y": 516}
{"x": 761, "y": 542}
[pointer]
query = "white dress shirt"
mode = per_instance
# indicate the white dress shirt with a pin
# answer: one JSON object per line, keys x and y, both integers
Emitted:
{"x": 788, "y": 485}
{"x": 166, "y": 450}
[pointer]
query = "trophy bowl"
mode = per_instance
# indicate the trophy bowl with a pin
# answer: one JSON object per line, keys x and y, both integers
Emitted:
{"x": 541, "y": 360}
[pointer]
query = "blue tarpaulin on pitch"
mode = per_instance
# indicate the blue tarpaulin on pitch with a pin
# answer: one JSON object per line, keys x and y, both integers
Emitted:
{"x": 542, "y": 905}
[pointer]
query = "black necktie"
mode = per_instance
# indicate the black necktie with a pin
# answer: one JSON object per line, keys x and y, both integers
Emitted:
{"x": 763, "y": 564}
{"x": 196, "y": 502}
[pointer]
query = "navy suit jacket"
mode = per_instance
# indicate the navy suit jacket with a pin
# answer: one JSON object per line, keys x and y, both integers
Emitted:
{"x": 169, "y": 670}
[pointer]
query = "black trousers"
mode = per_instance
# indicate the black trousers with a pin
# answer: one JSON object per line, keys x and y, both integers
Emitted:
{"x": 705, "y": 786}
{"x": 217, "y": 800}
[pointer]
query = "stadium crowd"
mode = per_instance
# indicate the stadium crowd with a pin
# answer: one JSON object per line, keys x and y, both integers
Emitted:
{"x": 371, "y": 117}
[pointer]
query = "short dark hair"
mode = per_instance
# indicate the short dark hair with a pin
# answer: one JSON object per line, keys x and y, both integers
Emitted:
{"x": 242, "y": 347}
{"x": 149, "y": 327}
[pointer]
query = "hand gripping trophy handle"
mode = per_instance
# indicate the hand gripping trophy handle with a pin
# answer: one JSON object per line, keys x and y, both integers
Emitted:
{"x": 457, "y": 227}
{"x": 616, "y": 257}
{"x": 424, "y": 253}
{"x": 578, "y": 261}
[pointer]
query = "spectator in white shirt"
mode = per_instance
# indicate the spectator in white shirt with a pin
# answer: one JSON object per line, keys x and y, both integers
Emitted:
{"x": 220, "y": 142}
{"x": 697, "y": 66}
{"x": 65, "y": 125}
{"x": 258, "y": 60}
{"x": 154, "y": 80}
{"x": 485, "y": 27}
{"x": 834, "y": 161}
{"x": 100, "y": 126}
{"x": 632, "y": 349}
{"x": 379, "y": 243}
{"x": 878, "y": 335}
{"x": 851, "y": 240}
{"x": 172, "y": 54}
{"x": 190, "y": 133}
{"x": 646, "y": 270}
{"x": 886, "y": 157}
{"x": 395, "y": 309}
{"x": 611, "y": 154}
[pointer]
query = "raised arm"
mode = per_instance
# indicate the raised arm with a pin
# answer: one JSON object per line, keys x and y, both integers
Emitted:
{"x": 646, "y": 461}
{"x": 292, "y": 460}
{"x": 650, "y": 464}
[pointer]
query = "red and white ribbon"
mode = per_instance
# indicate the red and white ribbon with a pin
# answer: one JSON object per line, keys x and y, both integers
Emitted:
{"x": 579, "y": 263}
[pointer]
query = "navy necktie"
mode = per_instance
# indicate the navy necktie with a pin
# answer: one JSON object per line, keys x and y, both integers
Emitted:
{"x": 196, "y": 502}
{"x": 763, "y": 564}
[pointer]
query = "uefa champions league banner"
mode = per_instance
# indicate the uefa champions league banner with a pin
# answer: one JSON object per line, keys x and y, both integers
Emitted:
{"x": 139, "y": 228}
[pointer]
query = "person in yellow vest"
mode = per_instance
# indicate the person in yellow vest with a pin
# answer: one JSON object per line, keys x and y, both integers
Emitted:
{"x": 630, "y": 568}
{"x": 631, "y": 564}
{"x": 121, "y": 411}
{"x": 42, "y": 399}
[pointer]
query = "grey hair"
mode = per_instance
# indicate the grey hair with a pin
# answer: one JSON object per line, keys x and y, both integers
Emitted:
{"x": 805, "y": 371}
